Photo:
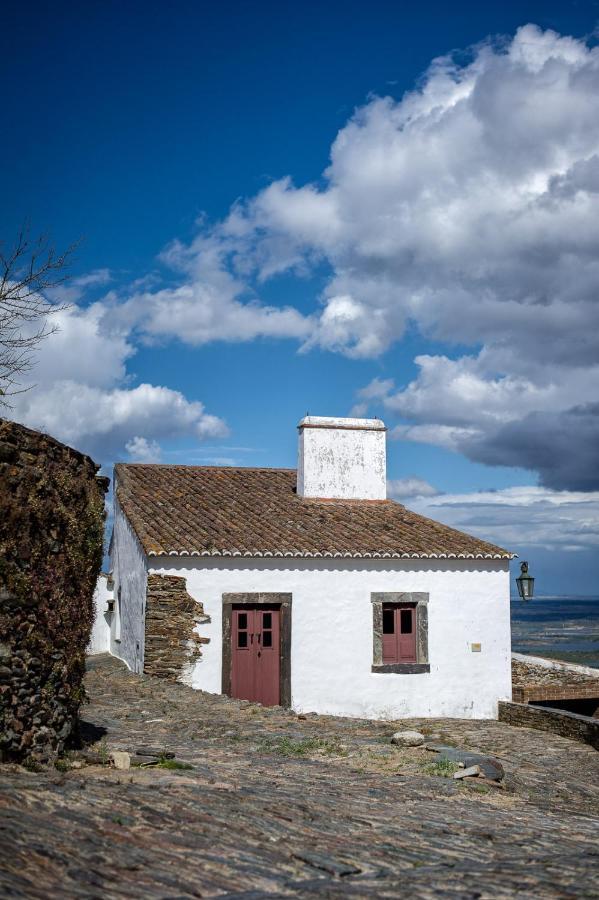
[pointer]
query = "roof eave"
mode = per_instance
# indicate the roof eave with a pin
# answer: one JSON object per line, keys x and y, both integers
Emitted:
{"x": 304, "y": 554}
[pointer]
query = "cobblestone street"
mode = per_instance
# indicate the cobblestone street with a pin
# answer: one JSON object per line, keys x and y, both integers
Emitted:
{"x": 282, "y": 805}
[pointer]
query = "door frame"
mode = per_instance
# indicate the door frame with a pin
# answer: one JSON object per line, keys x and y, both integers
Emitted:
{"x": 283, "y": 601}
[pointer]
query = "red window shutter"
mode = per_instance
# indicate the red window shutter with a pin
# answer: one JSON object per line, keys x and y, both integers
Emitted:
{"x": 406, "y": 633}
{"x": 399, "y": 634}
{"x": 389, "y": 635}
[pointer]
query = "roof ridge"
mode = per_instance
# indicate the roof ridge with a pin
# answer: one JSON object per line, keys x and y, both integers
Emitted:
{"x": 141, "y": 465}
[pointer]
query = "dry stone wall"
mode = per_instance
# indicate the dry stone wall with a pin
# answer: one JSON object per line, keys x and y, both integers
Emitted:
{"x": 567, "y": 724}
{"x": 51, "y": 532}
{"x": 172, "y": 645}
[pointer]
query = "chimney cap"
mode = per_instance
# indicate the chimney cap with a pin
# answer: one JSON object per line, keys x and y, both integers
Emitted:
{"x": 339, "y": 422}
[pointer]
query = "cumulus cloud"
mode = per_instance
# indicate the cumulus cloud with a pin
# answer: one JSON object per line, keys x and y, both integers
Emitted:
{"x": 510, "y": 420}
{"x": 142, "y": 450}
{"x": 466, "y": 206}
{"x": 405, "y": 488}
{"x": 466, "y": 209}
{"x": 213, "y": 302}
{"x": 519, "y": 517}
{"x": 83, "y": 395}
{"x": 75, "y": 288}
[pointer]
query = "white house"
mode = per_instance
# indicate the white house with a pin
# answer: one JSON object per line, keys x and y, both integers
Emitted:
{"x": 307, "y": 588}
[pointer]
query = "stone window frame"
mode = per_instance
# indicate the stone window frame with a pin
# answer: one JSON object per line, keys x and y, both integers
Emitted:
{"x": 260, "y": 598}
{"x": 419, "y": 599}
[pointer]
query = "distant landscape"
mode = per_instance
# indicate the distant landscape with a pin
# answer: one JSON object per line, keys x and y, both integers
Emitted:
{"x": 564, "y": 628}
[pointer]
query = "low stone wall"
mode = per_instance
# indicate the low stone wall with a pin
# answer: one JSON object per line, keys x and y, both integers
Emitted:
{"x": 51, "y": 532}
{"x": 567, "y": 724}
{"x": 172, "y": 644}
{"x": 536, "y": 679}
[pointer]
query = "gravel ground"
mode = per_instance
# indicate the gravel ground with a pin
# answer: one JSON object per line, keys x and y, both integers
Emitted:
{"x": 281, "y": 805}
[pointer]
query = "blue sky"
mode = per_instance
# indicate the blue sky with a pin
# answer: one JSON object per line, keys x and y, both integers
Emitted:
{"x": 416, "y": 264}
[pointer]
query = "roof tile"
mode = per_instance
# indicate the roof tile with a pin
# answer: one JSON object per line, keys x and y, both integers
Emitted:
{"x": 216, "y": 511}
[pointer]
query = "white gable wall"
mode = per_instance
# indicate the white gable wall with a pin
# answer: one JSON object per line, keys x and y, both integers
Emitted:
{"x": 130, "y": 574}
{"x": 99, "y": 641}
{"x": 332, "y": 631}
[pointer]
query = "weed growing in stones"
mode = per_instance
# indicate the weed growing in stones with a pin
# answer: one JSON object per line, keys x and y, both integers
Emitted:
{"x": 164, "y": 763}
{"x": 103, "y": 752}
{"x": 444, "y": 767}
{"x": 286, "y": 746}
{"x": 478, "y": 788}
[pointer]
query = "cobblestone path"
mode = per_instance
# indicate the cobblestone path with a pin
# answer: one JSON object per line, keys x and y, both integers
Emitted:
{"x": 277, "y": 805}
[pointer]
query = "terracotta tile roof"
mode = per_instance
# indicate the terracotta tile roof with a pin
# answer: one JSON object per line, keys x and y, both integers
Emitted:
{"x": 210, "y": 511}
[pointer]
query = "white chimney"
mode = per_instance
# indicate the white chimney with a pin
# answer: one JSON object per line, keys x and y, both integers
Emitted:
{"x": 342, "y": 459}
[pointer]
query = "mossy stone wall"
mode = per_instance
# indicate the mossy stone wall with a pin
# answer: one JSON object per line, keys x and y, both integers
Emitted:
{"x": 172, "y": 645}
{"x": 51, "y": 533}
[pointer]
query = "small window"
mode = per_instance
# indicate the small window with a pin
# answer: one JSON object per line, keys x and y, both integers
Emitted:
{"x": 406, "y": 617}
{"x": 400, "y": 632}
{"x": 242, "y": 639}
{"x": 388, "y": 621}
{"x": 267, "y": 638}
{"x": 267, "y": 620}
{"x": 242, "y": 621}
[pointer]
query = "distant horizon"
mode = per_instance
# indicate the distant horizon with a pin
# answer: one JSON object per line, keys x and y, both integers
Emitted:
{"x": 555, "y": 597}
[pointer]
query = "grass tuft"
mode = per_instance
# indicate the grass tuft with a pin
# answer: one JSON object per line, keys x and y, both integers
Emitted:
{"x": 286, "y": 746}
{"x": 444, "y": 768}
{"x": 164, "y": 763}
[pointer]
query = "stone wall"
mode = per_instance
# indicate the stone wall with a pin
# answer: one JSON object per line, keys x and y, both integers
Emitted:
{"x": 51, "y": 531}
{"x": 172, "y": 644}
{"x": 567, "y": 724}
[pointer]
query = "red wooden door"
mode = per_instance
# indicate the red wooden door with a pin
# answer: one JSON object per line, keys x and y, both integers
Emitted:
{"x": 399, "y": 634}
{"x": 255, "y": 651}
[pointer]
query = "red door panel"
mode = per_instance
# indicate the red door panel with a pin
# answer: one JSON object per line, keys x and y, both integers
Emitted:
{"x": 242, "y": 655}
{"x": 267, "y": 656}
{"x": 255, "y": 655}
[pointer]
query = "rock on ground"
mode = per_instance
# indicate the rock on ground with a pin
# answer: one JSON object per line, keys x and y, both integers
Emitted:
{"x": 408, "y": 738}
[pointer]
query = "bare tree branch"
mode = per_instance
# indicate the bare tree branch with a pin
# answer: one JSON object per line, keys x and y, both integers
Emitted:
{"x": 27, "y": 271}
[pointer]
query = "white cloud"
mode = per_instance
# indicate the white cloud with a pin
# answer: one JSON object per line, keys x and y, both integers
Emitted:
{"x": 520, "y": 517}
{"x": 516, "y": 420}
{"x": 405, "y": 488}
{"x": 213, "y": 303}
{"x": 467, "y": 208}
{"x": 87, "y": 347}
{"x": 75, "y": 288}
{"x": 198, "y": 314}
{"x": 142, "y": 450}
{"x": 82, "y": 394}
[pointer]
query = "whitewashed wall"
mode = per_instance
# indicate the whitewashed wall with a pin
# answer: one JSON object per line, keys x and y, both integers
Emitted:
{"x": 100, "y": 637}
{"x": 331, "y": 653}
{"x": 131, "y": 577}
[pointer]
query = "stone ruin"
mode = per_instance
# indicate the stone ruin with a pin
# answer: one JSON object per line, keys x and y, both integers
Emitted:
{"x": 51, "y": 535}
